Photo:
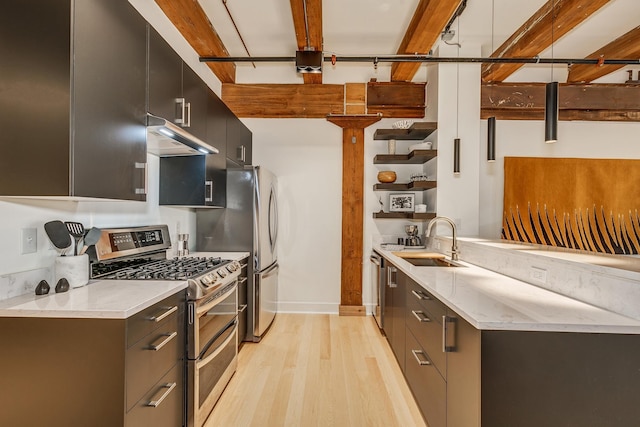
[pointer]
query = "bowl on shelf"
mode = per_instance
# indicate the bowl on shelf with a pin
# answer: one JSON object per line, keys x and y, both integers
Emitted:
{"x": 387, "y": 177}
{"x": 402, "y": 124}
{"x": 421, "y": 146}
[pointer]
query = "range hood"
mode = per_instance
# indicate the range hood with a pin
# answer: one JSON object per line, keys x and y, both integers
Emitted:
{"x": 165, "y": 139}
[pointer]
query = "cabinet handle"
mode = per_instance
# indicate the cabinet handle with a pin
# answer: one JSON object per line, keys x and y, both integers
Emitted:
{"x": 144, "y": 189}
{"x": 164, "y": 315}
{"x": 165, "y": 341}
{"x": 209, "y": 197}
{"x": 242, "y": 280}
{"x": 448, "y": 334}
{"x": 390, "y": 281}
{"x": 420, "y": 295}
{"x": 420, "y": 316}
{"x": 180, "y": 111}
{"x": 242, "y": 308}
{"x": 187, "y": 123}
{"x": 157, "y": 402}
{"x": 422, "y": 361}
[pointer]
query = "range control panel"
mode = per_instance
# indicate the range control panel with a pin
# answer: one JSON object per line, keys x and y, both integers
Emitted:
{"x": 116, "y": 243}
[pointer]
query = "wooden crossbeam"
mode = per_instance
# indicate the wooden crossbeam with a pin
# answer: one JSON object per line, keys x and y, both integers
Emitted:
{"x": 552, "y": 21}
{"x": 590, "y": 102}
{"x": 429, "y": 19}
{"x": 392, "y": 99}
{"x": 626, "y": 46}
{"x": 192, "y": 22}
{"x": 314, "y": 21}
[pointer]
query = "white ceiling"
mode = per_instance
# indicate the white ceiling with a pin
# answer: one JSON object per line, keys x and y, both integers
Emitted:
{"x": 376, "y": 27}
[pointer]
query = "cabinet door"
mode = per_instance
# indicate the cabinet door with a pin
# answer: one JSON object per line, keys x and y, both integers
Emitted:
{"x": 182, "y": 181}
{"x": 216, "y": 177}
{"x": 109, "y": 111}
{"x": 390, "y": 284}
{"x": 239, "y": 142}
{"x": 165, "y": 77}
{"x": 195, "y": 93}
{"x": 398, "y": 313}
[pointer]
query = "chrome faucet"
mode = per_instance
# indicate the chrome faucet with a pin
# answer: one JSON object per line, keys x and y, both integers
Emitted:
{"x": 454, "y": 247}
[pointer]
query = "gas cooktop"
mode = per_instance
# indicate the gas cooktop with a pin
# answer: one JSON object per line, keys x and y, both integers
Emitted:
{"x": 139, "y": 253}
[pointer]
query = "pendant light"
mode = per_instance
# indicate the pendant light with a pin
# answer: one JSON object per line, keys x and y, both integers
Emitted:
{"x": 551, "y": 113}
{"x": 491, "y": 139}
{"x": 456, "y": 156}
{"x": 551, "y": 97}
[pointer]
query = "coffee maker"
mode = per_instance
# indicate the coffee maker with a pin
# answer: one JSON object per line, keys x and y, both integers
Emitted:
{"x": 412, "y": 238}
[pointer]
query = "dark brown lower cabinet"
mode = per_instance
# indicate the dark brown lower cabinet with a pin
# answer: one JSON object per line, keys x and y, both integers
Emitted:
{"x": 513, "y": 378}
{"x": 61, "y": 372}
{"x": 426, "y": 383}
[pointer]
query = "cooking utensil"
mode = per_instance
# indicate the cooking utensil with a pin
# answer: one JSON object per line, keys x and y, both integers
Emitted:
{"x": 91, "y": 238}
{"x": 76, "y": 230}
{"x": 58, "y": 234}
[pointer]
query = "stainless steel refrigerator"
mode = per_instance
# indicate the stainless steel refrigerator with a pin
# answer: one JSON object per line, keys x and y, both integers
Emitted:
{"x": 249, "y": 223}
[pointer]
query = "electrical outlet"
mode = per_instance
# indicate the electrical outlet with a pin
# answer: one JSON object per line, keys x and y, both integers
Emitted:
{"x": 29, "y": 240}
{"x": 538, "y": 275}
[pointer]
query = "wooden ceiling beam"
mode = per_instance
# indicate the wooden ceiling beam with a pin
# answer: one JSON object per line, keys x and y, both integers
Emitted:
{"x": 585, "y": 102}
{"x": 192, "y": 22}
{"x": 314, "y": 20}
{"x": 536, "y": 35}
{"x": 429, "y": 19}
{"x": 626, "y": 46}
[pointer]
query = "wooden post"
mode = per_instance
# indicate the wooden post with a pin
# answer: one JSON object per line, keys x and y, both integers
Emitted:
{"x": 352, "y": 210}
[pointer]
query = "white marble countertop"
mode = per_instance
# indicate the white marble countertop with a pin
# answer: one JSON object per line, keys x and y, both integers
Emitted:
{"x": 491, "y": 301}
{"x": 101, "y": 299}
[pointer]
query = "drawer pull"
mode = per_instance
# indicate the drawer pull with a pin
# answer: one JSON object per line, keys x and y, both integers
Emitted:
{"x": 165, "y": 341}
{"x": 421, "y": 358}
{"x": 157, "y": 402}
{"x": 420, "y": 316}
{"x": 164, "y": 315}
{"x": 420, "y": 295}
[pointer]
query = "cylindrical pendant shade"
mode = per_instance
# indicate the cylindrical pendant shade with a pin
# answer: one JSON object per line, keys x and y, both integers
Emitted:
{"x": 491, "y": 139}
{"x": 456, "y": 155}
{"x": 551, "y": 113}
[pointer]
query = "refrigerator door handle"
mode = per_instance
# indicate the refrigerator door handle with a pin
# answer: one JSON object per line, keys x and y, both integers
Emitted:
{"x": 270, "y": 271}
{"x": 273, "y": 219}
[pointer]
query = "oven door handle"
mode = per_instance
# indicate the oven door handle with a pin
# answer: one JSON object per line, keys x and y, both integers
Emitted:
{"x": 209, "y": 357}
{"x": 215, "y": 301}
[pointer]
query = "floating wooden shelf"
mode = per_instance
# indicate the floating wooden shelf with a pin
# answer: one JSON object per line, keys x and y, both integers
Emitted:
{"x": 415, "y": 157}
{"x": 410, "y": 186}
{"x": 404, "y": 215}
{"x": 417, "y": 131}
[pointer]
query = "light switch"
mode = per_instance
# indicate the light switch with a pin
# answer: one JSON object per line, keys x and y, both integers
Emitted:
{"x": 29, "y": 240}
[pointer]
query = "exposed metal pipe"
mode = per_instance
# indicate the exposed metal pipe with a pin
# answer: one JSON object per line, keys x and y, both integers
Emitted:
{"x": 224, "y": 2}
{"x": 428, "y": 59}
{"x": 306, "y": 23}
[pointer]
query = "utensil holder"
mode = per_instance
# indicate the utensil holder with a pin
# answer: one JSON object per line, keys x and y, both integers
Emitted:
{"x": 73, "y": 268}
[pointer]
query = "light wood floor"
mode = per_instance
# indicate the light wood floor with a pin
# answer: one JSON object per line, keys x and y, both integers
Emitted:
{"x": 317, "y": 370}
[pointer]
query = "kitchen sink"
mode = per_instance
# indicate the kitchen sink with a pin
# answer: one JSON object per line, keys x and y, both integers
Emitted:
{"x": 430, "y": 262}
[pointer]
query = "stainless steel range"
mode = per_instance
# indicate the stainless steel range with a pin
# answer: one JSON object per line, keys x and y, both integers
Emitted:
{"x": 139, "y": 253}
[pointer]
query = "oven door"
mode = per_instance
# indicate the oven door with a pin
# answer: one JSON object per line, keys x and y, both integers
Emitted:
{"x": 210, "y": 374}
{"x": 208, "y": 317}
